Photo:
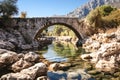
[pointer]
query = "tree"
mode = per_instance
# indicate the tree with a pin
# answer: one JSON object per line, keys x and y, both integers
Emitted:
{"x": 8, "y": 8}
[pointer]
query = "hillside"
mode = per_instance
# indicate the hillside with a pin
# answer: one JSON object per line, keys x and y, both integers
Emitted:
{"x": 82, "y": 11}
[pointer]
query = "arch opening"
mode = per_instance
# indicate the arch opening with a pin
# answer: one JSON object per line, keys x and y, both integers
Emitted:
{"x": 63, "y": 24}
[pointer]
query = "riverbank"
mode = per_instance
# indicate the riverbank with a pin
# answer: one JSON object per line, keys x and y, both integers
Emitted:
{"x": 31, "y": 66}
{"x": 104, "y": 52}
{"x": 104, "y": 49}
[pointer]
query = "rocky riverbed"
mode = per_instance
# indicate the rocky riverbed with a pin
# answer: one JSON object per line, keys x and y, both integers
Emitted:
{"x": 104, "y": 51}
{"x": 31, "y": 66}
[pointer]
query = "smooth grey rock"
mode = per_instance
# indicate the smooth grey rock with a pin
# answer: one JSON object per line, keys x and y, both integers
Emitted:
{"x": 26, "y": 47}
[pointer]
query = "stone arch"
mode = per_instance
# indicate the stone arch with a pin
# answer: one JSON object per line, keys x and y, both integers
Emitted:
{"x": 46, "y": 25}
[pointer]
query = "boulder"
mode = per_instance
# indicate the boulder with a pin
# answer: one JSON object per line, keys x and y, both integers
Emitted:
{"x": 105, "y": 50}
{"x": 30, "y": 73}
{"x": 16, "y": 76}
{"x": 53, "y": 67}
{"x": 21, "y": 64}
{"x": 32, "y": 57}
{"x": 38, "y": 69}
{"x": 7, "y": 57}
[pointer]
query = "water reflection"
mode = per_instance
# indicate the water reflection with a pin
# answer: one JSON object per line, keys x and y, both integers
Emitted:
{"x": 67, "y": 49}
{"x": 51, "y": 55}
{"x": 61, "y": 51}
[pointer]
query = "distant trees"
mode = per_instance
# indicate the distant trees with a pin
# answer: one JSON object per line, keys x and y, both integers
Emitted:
{"x": 61, "y": 30}
{"x": 8, "y": 8}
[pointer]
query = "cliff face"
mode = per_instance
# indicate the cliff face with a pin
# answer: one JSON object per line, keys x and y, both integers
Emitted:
{"x": 82, "y": 11}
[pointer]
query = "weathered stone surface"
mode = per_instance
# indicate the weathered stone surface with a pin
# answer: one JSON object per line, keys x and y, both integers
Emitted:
{"x": 26, "y": 47}
{"x": 107, "y": 55}
{"x": 7, "y": 45}
{"x": 38, "y": 69}
{"x": 30, "y": 73}
{"x": 7, "y": 57}
{"x": 16, "y": 76}
{"x": 21, "y": 64}
{"x": 32, "y": 57}
{"x": 34, "y": 26}
{"x": 53, "y": 67}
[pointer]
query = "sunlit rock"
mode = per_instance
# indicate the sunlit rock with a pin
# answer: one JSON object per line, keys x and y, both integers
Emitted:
{"x": 42, "y": 78}
{"x": 21, "y": 64}
{"x": 53, "y": 67}
{"x": 7, "y": 57}
{"x": 38, "y": 69}
{"x": 107, "y": 55}
{"x": 32, "y": 57}
{"x": 30, "y": 73}
{"x": 16, "y": 76}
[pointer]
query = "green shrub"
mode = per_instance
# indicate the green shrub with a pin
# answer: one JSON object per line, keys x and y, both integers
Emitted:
{"x": 104, "y": 16}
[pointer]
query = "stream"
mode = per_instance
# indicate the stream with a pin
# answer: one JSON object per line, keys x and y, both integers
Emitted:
{"x": 66, "y": 52}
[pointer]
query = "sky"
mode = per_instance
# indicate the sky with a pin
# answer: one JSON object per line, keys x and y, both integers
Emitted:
{"x": 47, "y": 8}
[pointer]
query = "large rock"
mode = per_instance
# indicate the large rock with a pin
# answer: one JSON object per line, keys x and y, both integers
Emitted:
{"x": 32, "y": 57}
{"x": 21, "y": 64}
{"x": 106, "y": 54}
{"x": 16, "y": 76}
{"x": 54, "y": 67}
{"x": 7, "y": 57}
{"x": 30, "y": 73}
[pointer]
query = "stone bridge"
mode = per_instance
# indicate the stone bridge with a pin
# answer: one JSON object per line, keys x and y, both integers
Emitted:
{"x": 32, "y": 27}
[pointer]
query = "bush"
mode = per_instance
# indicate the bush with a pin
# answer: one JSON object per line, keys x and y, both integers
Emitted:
{"x": 106, "y": 10}
{"x": 94, "y": 18}
{"x": 113, "y": 19}
{"x": 104, "y": 16}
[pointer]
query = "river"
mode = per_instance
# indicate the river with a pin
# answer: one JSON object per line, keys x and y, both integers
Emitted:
{"x": 66, "y": 52}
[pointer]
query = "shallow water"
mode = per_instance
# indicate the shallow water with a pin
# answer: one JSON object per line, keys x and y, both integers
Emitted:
{"x": 68, "y": 53}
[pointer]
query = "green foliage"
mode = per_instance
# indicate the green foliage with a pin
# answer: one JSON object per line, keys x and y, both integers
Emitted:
{"x": 94, "y": 18}
{"x": 113, "y": 19}
{"x": 104, "y": 16}
{"x": 106, "y": 10}
{"x": 60, "y": 30}
{"x": 8, "y": 8}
